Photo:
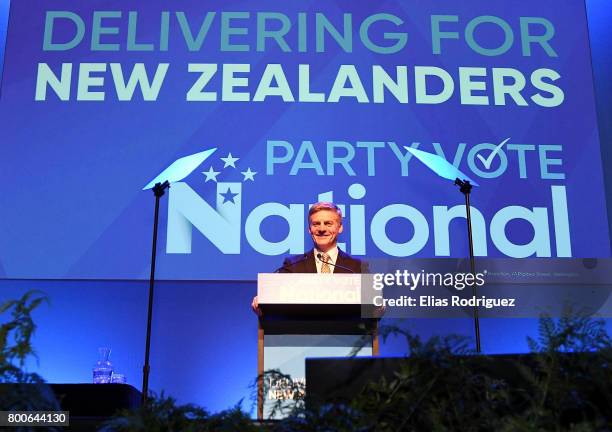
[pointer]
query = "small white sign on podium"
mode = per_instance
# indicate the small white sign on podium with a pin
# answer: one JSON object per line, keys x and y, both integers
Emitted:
{"x": 301, "y": 288}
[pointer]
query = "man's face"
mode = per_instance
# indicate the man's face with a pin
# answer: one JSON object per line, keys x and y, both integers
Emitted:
{"x": 324, "y": 227}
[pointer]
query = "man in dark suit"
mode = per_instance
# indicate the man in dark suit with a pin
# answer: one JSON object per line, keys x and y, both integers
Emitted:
{"x": 324, "y": 226}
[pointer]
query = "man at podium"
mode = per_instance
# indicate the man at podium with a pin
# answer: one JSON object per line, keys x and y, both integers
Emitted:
{"x": 324, "y": 226}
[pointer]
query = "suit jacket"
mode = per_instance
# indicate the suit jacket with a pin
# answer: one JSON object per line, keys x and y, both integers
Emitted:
{"x": 306, "y": 263}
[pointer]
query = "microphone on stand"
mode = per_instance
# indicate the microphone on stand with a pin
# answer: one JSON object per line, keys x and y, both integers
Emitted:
{"x": 320, "y": 256}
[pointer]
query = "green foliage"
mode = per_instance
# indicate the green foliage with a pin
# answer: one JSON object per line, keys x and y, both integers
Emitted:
{"x": 19, "y": 389}
{"x": 571, "y": 380}
{"x": 163, "y": 414}
{"x": 16, "y": 334}
{"x": 565, "y": 385}
{"x": 442, "y": 385}
{"x": 570, "y": 333}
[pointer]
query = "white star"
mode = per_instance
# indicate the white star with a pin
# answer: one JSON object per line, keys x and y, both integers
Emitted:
{"x": 248, "y": 174}
{"x": 211, "y": 174}
{"x": 229, "y": 161}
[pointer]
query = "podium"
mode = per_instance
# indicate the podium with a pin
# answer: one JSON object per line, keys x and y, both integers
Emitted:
{"x": 309, "y": 315}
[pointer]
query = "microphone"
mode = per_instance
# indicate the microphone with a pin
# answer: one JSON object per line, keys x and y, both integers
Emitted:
{"x": 319, "y": 257}
{"x": 286, "y": 264}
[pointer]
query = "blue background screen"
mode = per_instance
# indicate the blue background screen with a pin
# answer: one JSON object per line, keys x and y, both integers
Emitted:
{"x": 316, "y": 101}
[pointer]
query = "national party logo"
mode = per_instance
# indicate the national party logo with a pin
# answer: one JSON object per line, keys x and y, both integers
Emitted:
{"x": 231, "y": 202}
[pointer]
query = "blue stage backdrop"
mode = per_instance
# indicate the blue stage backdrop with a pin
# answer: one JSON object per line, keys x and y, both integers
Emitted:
{"x": 4, "y": 9}
{"x": 303, "y": 101}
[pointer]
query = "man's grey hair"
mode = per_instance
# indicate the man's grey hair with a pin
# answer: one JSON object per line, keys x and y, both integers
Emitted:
{"x": 323, "y": 205}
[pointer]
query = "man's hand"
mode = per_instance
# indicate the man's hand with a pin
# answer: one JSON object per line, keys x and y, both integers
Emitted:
{"x": 255, "y": 307}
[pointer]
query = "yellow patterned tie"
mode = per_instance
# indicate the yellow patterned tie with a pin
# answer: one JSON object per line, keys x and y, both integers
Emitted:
{"x": 325, "y": 265}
